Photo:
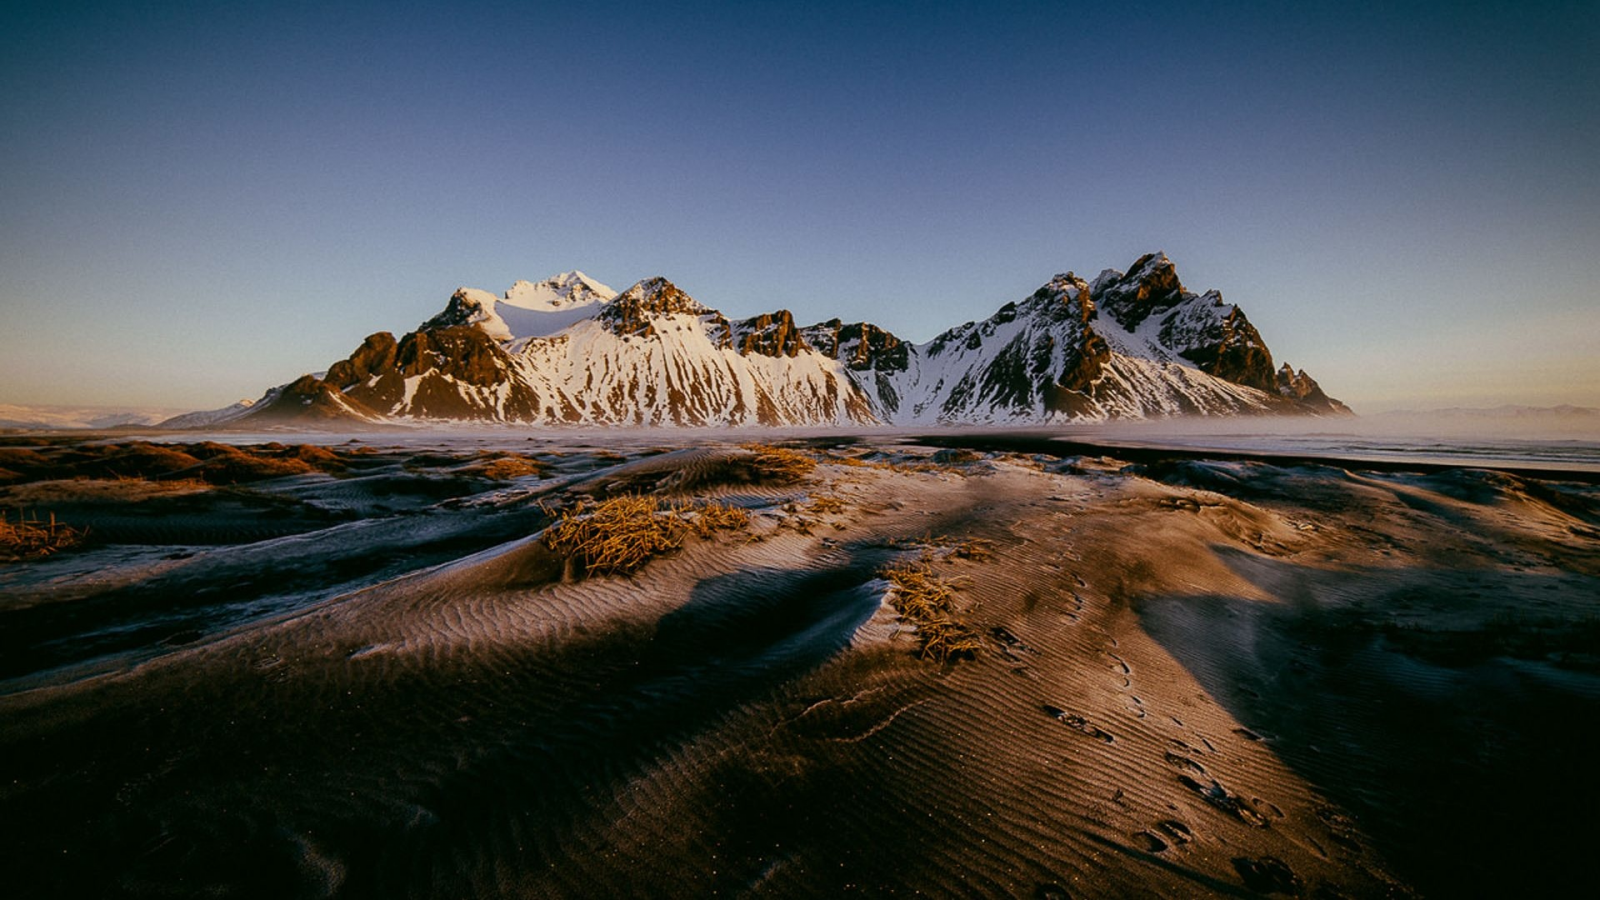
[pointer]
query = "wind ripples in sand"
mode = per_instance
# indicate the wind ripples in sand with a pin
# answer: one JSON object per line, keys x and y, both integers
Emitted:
{"x": 1188, "y": 679}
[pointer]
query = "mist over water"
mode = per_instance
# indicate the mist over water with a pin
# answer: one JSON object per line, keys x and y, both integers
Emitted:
{"x": 1562, "y": 437}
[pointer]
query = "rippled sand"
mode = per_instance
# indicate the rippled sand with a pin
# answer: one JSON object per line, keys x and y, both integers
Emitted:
{"x": 1196, "y": 678}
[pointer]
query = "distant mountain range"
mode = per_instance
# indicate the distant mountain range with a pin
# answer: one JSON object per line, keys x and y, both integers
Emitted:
{"x": 14, "y": 415}
{"x": 571, "y": 351}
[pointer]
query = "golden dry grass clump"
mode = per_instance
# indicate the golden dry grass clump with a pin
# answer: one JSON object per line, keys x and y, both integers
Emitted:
{"x": 778, "y": 465}
{"x": 31, "y": 539}
{"x": 826, "y": 505}
{"x": 927, "y": 602}
{"x": 506, "y": 468}
{"x": 622, "y": 534}
{"x": 616, "y": 537}
{"x": 715, "y": 517}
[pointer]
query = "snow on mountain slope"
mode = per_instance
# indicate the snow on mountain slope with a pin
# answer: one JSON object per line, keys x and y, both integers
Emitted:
{"x": 1055, "y": 357}
{"x": 210, "y": 418}
{"x": 569, "y": 350}
{"x": 527, "y": 309}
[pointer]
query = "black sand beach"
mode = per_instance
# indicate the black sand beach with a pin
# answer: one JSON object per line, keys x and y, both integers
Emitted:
{"x": 367, "y": 669}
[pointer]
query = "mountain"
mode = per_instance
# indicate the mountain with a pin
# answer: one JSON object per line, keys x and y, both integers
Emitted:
{"x": 570, "y": 350}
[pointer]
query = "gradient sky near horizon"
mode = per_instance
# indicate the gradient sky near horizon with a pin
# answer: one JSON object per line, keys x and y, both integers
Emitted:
{"x": 200, "y": 200}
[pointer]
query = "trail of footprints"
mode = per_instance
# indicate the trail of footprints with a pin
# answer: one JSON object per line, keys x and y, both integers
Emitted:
{"x": 1265, "y": 874}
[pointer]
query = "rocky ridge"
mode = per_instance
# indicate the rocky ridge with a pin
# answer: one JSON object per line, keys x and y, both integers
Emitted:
{"x": 569, "y": 350}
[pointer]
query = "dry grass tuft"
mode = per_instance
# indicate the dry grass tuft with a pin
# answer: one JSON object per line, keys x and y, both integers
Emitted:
{"x": 778, "y": 465}
{"x": 619, "y": 536}
{"x": 616, "y": 537}
{"x": 32, "y": 538}
{"x": 826, "y": 506}
{"x": 974, "y": 549}
{"x": 714, "y": 517}
{"x": 927, "y": 601}
{"x": 509, "y": 467}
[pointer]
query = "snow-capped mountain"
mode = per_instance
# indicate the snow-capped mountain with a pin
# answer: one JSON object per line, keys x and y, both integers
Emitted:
{"x": 570, "y": 350}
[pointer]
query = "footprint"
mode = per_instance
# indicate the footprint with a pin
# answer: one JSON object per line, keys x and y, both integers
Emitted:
{"x": 1268, "y": 875}
{"x": 1078, "y": 723}
{"x": 1009, "y": 640}
{"x": 1232, "y": 804}
{"x": 1185, "y": 763}
{"x": 1175, "y": 831}
{"x": 1151, "y": 842}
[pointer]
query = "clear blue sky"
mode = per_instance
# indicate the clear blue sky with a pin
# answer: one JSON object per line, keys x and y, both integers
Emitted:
{"x": 198, "y": 201}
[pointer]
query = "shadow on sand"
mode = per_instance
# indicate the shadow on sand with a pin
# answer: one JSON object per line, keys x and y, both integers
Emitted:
{"x": 1399, "y": 694}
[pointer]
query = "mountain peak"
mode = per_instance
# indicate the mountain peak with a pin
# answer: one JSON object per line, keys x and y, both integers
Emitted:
{"x": 1149, "y": 264}
{"x": 658, "y": 295}
{"x": 1150, "y": 286}
{"x": 632, "y": 311}
{"x": 562, "y": 291}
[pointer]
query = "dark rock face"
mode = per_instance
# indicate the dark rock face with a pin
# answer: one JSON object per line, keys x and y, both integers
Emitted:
{"x": 861, "y": 346}
{"x": 1150, "y": 287}
{"x": 462, "y": 352}
{"x": 772, "y": 334}
{"x": 461, "y": 310}
{"x": 442, "y": 360}
{"x": 1070, "y": 394}
{"x": 375, "y": 356}
{"x": 1232, "y": 350}
{"x": 1213, "y": 336}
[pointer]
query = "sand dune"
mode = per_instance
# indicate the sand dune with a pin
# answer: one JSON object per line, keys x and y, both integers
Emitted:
{"x": 1196, "y": 678}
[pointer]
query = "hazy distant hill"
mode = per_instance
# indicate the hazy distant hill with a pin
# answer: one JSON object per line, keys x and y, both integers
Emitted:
{"x": 30, "y": 416}
{"x": 569, "y": 350}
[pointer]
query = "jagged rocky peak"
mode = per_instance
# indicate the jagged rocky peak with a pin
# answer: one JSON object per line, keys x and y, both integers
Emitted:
{"x": 770, "y": 334}
{"x": 861, "y": 346}
{"x": 467, "y": 306}
{"x": 1150, "y": 286}
{"x": 658, "y": 295}
{"x": 1303, "y": 389}
{"x": 1063, "y": 297}
{"x": 632, "y": 310}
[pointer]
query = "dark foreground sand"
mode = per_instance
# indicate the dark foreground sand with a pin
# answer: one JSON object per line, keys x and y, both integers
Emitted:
{"x": 1197, "y": 677}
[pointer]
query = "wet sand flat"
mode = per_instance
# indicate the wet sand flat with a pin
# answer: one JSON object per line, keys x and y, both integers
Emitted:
{"x": 374, "y": 669}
